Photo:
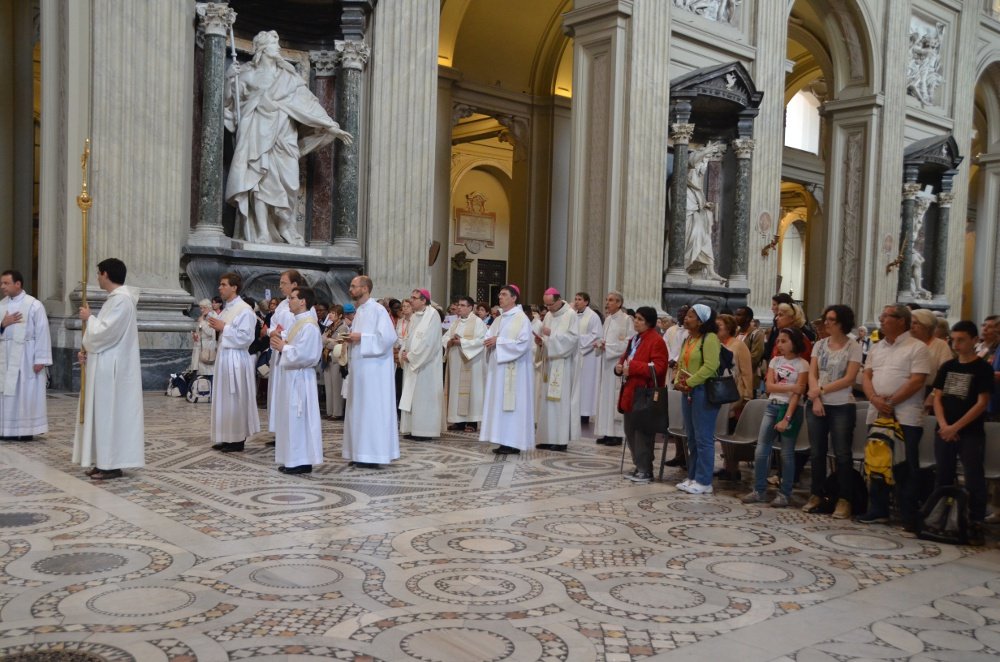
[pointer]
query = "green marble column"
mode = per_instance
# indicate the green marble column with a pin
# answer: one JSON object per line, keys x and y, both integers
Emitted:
{"x": 910, "y": 190}
{"x": 681, "y": 133}
{"x": 352, "y": 58}
{"x": 741, "y": 232}
{"x": 940, "y": 280}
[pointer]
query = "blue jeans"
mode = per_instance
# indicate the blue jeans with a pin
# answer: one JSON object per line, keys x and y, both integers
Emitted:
{"x": 699, "y": 424}
{"x": 765, "y": 444}
{"x": 837, "y": 428}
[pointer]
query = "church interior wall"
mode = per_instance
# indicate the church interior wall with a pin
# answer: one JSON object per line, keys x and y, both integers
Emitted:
{"x": 7, "y": 161}
{"x": 479, "y": 180}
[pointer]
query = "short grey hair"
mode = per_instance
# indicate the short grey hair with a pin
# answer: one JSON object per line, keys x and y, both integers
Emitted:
{"x": 903, "y": 312}
{"x": 205, "y": 303}
{"x": 618, "y": 295}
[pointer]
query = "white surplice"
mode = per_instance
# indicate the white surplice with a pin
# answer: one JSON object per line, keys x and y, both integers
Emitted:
{"x": 465, "y": 395}
{"x": 298, "y": 437}
{"x": 508, "y": 404}
{"x": 421, "y": 401}
{"x": 23, "y": 346}
{"x": 284, "y": 318}
{"x": 234, "y": 390}
{"x": 112, "y": 434}
{"x": 559, "y": 408}
{"x": 590, "y": 361}
{"x": 618, "y": 329}
{"x": 370, "y": 431}
{"x": 332, "y": 379}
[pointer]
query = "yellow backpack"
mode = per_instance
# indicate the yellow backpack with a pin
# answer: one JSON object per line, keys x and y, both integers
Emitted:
{"x": 882, "y": 437}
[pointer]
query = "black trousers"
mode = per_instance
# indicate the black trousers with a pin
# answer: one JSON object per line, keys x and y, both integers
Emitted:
{"x": 971, "y": 450}
{"x": 640, "y": 445}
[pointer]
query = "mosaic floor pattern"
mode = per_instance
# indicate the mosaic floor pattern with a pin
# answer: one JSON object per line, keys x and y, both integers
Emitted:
{"x": 451, "y": 553}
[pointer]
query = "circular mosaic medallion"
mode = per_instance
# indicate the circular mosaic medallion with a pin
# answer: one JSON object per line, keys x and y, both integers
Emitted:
{"x": 486, "y": 544}
{"x": 864, "y": 541}
{"x": 657, "y": 596}
{"x": 296, "y": 496}
{"x": 9, "y": 520}
{"x": 760, "y": 574}
{"x": 448, "y": 644}
{"x": 296, "y": 575}
{"x": 79, "y": 563}
{"x": 670, "y": 505}
{"x": 580, "y": 464}
{"x": 721, "y": 535}
{"x": 750, "y": 571}
{"x": 580, "y": 529}
{"x": 140, "y": 601}
{"x": 474, "y": 586}
{"x": 869, "y": 542}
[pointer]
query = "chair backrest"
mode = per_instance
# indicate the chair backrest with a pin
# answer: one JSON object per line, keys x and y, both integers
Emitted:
{"x": 860, "y": 438}
{"x": 722, "y": 420}
{"x": 802, "y": 441}
{"x": 991, "y": 461}
{"x": 750, "y": 418}
{"x": 926, "y": 449}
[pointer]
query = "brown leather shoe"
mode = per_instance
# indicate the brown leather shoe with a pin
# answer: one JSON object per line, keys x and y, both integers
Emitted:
{"x": 812, "y": 504}
{"x": 843, "y": 509}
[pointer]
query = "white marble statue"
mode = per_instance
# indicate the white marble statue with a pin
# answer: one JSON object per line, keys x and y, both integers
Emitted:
{"x": 699, "y": 255}
{"x": 723, "y": 11}
{"x": 280, "y": 120}
{"x": 923, "y": 70}
{"x": 920, "y": 206}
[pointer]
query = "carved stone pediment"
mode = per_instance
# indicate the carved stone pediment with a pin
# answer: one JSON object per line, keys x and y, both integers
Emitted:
{"x": 729, "y": 82}
{"x": 937, "y": 153}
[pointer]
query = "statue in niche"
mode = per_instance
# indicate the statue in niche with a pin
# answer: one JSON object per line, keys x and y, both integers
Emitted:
{"x": 699, "y": 255}
{"x": 280, "y": 120}
{"x": 920, "y": 206}
{"x": 722, "y": 11}
{"x": 923, "y": 70}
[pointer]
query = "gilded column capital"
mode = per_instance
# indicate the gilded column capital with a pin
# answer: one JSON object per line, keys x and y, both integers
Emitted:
{"x": 353, "y": 54}
{"x": 743, "y": 147}
{"x": 945, "y": 198}
{"x": 324, "y": 62}
{"x": 910, "y": 190}
{"x": 216, "y": 17}
{"x": 681, "y": 132}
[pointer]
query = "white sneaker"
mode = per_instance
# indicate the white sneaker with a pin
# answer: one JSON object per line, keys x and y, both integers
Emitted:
{"x": 697, "y": 488}
{"x": 683, "y": 485}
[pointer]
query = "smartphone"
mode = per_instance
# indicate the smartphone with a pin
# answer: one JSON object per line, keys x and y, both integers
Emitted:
{"x": 267, "y": 294}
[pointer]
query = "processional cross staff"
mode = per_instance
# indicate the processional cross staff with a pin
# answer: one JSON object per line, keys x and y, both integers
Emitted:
{"x": 84, "y": 202}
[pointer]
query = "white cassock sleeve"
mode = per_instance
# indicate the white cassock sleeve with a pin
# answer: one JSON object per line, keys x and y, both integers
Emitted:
{"x": 562, "y": 345}
{"x": 43, "y": 342}
{"x": 239, "y": 333}
{"x": 590, "y": 332}
{"x": 106, "y": 329}
{"x": 380, "y": 340}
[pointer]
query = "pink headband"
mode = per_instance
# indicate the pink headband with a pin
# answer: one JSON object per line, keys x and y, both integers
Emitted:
{"x": 427, "y": 295}
{"x": 515, "y": 288}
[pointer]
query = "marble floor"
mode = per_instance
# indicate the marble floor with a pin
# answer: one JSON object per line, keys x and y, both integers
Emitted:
{"x": 451, "y": 553}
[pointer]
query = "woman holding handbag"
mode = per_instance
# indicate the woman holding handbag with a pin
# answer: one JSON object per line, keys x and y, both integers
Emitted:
{"x": 644, "y": 358}
{"x": 205, "y": 346}
{"x": 699, "y": 362}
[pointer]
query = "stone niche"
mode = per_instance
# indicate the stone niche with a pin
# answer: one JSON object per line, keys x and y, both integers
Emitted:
{"x": 709, "y": 164}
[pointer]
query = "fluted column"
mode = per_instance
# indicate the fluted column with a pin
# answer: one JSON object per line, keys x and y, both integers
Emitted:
{"x": 939, "y": 284}
{"x": 680, "y": 133}
{"x": 352, "y": 58}
{"x": 404, "y": 112}
{"x": 215, "y": 17}
{"x": 321, "y": 185}
{"x": 910, "y": 190}
{"x": 741, "y": 232}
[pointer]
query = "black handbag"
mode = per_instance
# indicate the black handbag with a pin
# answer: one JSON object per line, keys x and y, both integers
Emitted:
{"x": 649, "y": 407}
{"x": 721, "y": 389}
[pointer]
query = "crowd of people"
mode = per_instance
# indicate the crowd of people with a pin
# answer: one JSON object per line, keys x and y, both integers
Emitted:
{"x": 532, "y": 377}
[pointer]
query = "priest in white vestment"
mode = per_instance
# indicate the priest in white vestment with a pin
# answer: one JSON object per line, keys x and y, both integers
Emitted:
{"x": 508, "y": 404}
{"x": 590, "y": 361}
{"x": 25, "y": 351}
{"x": 234, "y": 392}
{"x": 421, "y": 402}
{"x": 371, "y": 433}
{"x": 617, "y": 330}
{"x": 281, "y": 320}
{"x": 465, "y": 376}
{"x": 298, "y": 434}
{"x": 112, "y": 435}
{"x": 559, "y": 409}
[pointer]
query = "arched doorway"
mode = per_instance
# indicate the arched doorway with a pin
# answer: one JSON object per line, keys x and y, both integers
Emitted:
{"x": 979, "y": 293}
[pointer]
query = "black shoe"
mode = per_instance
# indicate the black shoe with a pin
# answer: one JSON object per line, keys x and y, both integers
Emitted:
{"x": 271, "y": 443}
{"x": 456, "y": 427}
{"x": 233, "y": 447}
{"x": 613, "y": 441}
{"x": 557, "y": 447}
{"x": 106, "y": 474}
{"x": 674, "y": 462}
{"x": 976, "y": 535}
{"x": 506, "y": 450}
{"x": 218, "y": 447}
{"x": 26, "y": 437}
{"x": 872, "y": 518}
{"x": 585, "y": 420}
{"x": 413, "y": 437}
{"x": 367, "y": 465}
{"x": 543, "y": 447}
{"x": 301, "y": 469}
{"x": 602, "y": 441}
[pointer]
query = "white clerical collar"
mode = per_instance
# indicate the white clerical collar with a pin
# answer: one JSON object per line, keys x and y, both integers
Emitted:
{"x": 303, "y": 314}
{"x": 19, "y": 298}
{"x": 232, "y": 301}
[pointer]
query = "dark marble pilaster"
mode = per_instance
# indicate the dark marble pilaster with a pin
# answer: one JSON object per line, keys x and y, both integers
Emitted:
{"x": 945, "y": 198}
{"x": 680, "y": 133}
{"x": 320, "y": 219}
{"x": 910, "y": 190}
{"x": 353, "y": 56}
{"x": 216, "y": 18}
{"x": 743, "y": 147}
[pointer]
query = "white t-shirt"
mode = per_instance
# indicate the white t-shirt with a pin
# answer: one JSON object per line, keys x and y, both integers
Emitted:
{"x": 786, "y": 372}
{"x": 891, "y": 367}
{"x": 832, "y": 365}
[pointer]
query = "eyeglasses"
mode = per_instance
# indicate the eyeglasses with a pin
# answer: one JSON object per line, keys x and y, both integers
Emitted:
{"x": 885, "y": 315}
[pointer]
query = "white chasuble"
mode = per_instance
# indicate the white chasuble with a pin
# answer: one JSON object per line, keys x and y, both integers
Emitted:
{"x": 465, "y": 378}
{"x": 112, "y": 435}
{"x": 283, "y": 318}
{"x": 23, "y": 346}
{"x": 590, "y": 360}
{"x": 559, "y": 414}
{"x": 234, "y": 387}
{"x": 508, "y": 404}
{"x": 618, "y": 329}
{"x": 423, "y": 380}
{"x": 298, "y": 437}
{"x": 370, "y": 431}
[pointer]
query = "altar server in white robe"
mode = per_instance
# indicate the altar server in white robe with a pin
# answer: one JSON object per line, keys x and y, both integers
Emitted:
{"x": 420, "y": 356}
{"x": 281, "y": 320}
{"x": 25, "y": 351}
{"x": 559, "y": 411}
{"x": 298, "y": 434}
{"x": 508, "y": 404}
{"x": 371, "y": 434}
{"x": 465, "y": 376}
{"x": 112, "y": 435}
{"x": 590, "y": 361}
{"x": 617, "y": 331}
{"x": 234, "y": 393}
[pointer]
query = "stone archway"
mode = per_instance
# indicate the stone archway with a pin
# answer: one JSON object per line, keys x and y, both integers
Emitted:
{"x": 981, "y": 282}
